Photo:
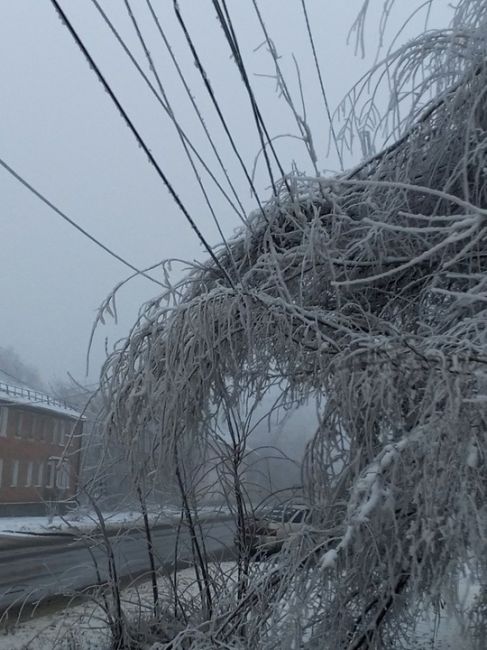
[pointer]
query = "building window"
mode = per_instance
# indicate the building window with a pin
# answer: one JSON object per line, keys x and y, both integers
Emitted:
{"x": 62, "y": 432}
{"x": 35, "y": 425}
{"x": 18, "y": 430}
{"x": 40, "y": 475}
{"x": 15, "y": 473}
{"x": 68, "y": 429}
{"x": 12, "y": 422}
{"x": 51, "y": 473}
{"x": 42, "y": 425}
{"x": 47, "y": 429}
{"x": 55, "y": 432}
{"x": 62, "y": 476}
{"x": 3, "y": 420}
{"x": 30, "y": 470}
{"x": 27, "y": 426}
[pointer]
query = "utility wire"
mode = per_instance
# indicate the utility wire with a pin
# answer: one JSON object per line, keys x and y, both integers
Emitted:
{"x": 322, "y": 85}
{"x": 235, "y": 54}
{"x": 300, "y": 121}
{"x": 64, "y": 216}
{"x": 230, "y": 35}
{"x": 134, "y": 62}
{"x": 209, "y": 89}
{"x": 152, "y": 66}
{"x": 140, "y": 140}
{"x": 237, "y": 58}
{"x": 194, "y": 104}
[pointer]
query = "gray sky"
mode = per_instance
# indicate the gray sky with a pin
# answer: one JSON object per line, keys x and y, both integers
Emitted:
{"x": 60, "y": 130}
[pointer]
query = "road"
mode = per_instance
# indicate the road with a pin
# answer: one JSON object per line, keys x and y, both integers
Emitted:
{"x": 64, "y": 568}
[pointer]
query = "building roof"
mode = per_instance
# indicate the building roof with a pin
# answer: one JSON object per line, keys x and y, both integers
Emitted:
{"x": 17, "y": 393}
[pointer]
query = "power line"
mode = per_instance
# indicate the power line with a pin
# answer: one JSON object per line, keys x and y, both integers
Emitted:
{"x": 152, "y": 66}
{"x": 64, "y": 216}
{"x": 300, "y": 121}
{"x": 236, "y": 55}
{"x": 140, "y": 140}
{"x": 322, "y": 85}
{"x": 209, "y": 89}
{"x": 231, "y": 37}
{"x": 123, "y": 45}
{"x": 194, "y": 104}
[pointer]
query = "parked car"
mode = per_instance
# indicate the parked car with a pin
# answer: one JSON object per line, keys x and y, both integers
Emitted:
{"x": 255, "y": 525}
{"x": 266, "y": 531}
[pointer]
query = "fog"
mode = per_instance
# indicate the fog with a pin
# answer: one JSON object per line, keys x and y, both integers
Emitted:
{"x": 61, "y": 132}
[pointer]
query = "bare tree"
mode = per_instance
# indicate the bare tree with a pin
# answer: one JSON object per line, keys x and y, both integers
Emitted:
{"x": 366, "y": 290}
{"x": 16, "y": 370}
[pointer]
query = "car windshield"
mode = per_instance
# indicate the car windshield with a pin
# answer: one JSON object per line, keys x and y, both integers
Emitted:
{"x": 276, "y": 514}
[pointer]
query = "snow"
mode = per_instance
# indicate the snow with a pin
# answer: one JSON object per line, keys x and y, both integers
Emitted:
{"x": 55, "y": 630}
{"x": 68, "y": 524}
{"x": 14, "y": 392}
{"x": 82, "y": 521}
{"x": 88, "y": 620}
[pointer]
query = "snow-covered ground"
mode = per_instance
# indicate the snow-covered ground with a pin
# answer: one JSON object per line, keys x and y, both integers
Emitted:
{"x": 83, "y": 521}
{"x": 86, "y": 624}
{"x": 84, "y": 627}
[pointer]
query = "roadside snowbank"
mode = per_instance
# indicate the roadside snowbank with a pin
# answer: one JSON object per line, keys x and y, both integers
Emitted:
{"x": 85, "y": 627}
{"x": 82, "y": 521}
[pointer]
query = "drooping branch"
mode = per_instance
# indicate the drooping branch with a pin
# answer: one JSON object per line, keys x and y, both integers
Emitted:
{"x": 367, "y": 290}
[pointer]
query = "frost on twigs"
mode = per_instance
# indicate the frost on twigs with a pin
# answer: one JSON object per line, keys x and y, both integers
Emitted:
{"x": 370, "y": 290}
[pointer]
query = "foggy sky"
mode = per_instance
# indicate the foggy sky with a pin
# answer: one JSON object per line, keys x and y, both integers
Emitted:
{"x": 60, "y": 130}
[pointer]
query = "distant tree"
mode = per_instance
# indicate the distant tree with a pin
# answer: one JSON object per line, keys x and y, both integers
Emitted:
{"x": 18, "y": 370}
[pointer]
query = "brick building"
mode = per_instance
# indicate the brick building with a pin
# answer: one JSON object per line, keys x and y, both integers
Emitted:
{"x": 40, "y": 443}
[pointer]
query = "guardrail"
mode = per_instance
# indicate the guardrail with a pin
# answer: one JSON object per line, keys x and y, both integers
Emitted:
{"x": 32, "y": 395}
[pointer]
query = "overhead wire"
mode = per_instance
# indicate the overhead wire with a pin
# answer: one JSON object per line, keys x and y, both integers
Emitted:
{"x": 152, "y": 66}
{"x": 134, "y": 62}
{"x": 236, "y": 56}
{"x": 193, "y": 102}
{"x": 141, "y": 141}
{"x": 322, "y": 85}
{"x": 300, "y": 121}
{"x": 73, "y": 223}
{"x": 231, "y": 37}
{"x": 216, "y": 105}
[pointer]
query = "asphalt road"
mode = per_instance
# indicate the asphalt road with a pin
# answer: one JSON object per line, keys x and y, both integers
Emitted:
{"x": 64, "y": 568}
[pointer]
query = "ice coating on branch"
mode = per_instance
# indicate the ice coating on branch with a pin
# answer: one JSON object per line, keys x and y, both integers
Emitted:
{"x": 367, "y": 290}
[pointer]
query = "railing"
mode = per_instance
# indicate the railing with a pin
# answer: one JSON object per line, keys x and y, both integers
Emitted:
{"x": 32, "y": 395}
